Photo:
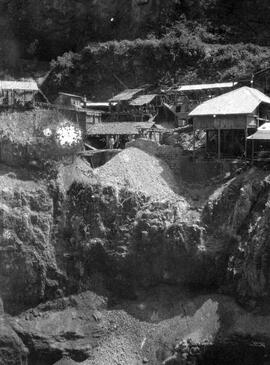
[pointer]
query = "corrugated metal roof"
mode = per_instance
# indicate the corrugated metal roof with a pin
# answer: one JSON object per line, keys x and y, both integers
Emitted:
{"x": 30, "y": 85}
{"x": 143, "y": 100}
{"x": 71, "y": 95}
{"x": 262, "y": 133}
{"x": 221, "y": 85}
{"x": 118, "y": 128}
{"x": 240, "y": 101}
{"x": 126, "y": 95}
{"x": 97, "y": 104}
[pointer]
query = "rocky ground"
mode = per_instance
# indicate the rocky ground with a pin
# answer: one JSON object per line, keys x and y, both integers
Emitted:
{"x": 117, "y": 273}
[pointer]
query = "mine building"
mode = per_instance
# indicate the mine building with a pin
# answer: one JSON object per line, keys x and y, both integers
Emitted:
{"x": 260, "y": 143}
{"x": 259, "y": 80}
{"x": 69, "y": 100}
{"x": 122, "y": 110}
{"x": 18, "y": 94}
{"x": 114, "y": 135}
{"x": 144, "y": 107}
{"x": 185, "y": 98}
{"x": 229, "y": 119}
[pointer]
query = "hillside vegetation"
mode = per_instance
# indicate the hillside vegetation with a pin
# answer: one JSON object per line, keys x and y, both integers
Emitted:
{"x": 186, "y": 52}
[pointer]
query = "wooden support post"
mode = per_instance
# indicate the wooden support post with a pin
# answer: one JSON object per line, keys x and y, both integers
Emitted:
{"x": 219, "y": 154}
{"x": 252, "y": 152}
{"x": 193, "y": 144}
{"x": 246, "y": 143}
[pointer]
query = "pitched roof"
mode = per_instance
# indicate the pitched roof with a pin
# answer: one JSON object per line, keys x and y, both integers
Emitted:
{"x": 143, "y": 100}
{"x": 126, "y": 95}
{"x": 220, "y": 85}
{"x": 262, "y": 133}
{"x": 118, "y": 128}
{"x": 240, "y": 101}
{"x": 30, "y": 85}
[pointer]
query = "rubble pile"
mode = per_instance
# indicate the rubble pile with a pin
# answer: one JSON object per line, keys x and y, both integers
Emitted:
{"x": 140, "y": 172}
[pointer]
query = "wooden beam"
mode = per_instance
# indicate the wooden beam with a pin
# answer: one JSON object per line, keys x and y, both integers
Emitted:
{"x": 252, "y": 153}
{"x": 219, "y": 154}
{"x": 246, "y": 135}
{"x": 193, "y": 144}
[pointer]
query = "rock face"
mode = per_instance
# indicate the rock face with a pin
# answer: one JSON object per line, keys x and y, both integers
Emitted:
{"x": 237, "y": 217}
{"x": 85, "y": 330}
{"x": 12, "y": 349}
{"x": 28, "y": 269}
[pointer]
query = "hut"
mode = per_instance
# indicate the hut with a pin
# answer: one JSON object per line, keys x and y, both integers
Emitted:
{"x": 18, "y": 93}
{"x": 260, "y": 141}
{"x": 229, "y": 119}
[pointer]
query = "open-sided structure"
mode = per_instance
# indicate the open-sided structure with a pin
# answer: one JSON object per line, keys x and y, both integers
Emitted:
{"x": 18, "y": 93}
{"x": 229, "y": 118}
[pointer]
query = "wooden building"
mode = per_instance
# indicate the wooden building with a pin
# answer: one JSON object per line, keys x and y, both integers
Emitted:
{"x": 18, "y": 94}
{"x": 260, "y": 142}
{"x": 229, "y": 119}
{"x": 70, "y": 100}
{"x": 144, "y": 107}
{"x": 100, "y": 135}
{"x": 122, "y": 110}
{"x": 185, "y": 98}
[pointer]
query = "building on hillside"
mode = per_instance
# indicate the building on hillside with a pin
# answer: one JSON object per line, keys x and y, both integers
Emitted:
{"x": 116, "y": 134}
{"x": 18, "y": 94}
{"x": 229, "y": 119}
{"x": 122, "y": 109}
{"x": 260, "y": 143}
{"x": 184, "y": 98}
{"x": 70, "y": 100}
{"x": 144, "y": 107}
{"x": 259, "y": 80}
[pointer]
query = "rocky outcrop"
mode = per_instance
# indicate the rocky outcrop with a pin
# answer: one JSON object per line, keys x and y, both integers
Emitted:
{"x": 28, "y": 269}
{"x": 12, "y": 349}
{"x": 237, "y": 219}
{"x": 85, "y": 330}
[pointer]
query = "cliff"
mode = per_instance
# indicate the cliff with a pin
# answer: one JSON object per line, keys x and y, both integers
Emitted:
{"x": 120, "y": 231}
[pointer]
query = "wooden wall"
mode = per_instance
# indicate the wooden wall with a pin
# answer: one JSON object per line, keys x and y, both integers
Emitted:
{"x": 221, "y": 122}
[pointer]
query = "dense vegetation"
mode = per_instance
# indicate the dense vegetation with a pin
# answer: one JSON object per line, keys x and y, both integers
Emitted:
{"x": 162, "y": 42}
{"x": 186, "y": 52}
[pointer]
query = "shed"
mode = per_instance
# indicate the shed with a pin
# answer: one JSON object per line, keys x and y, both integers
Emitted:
{"x": 17, "y": 93}
{"x": 229, "y": 118}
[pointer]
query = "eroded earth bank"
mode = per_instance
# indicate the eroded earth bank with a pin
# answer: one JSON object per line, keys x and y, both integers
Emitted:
{"x": 116, "y": 265}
